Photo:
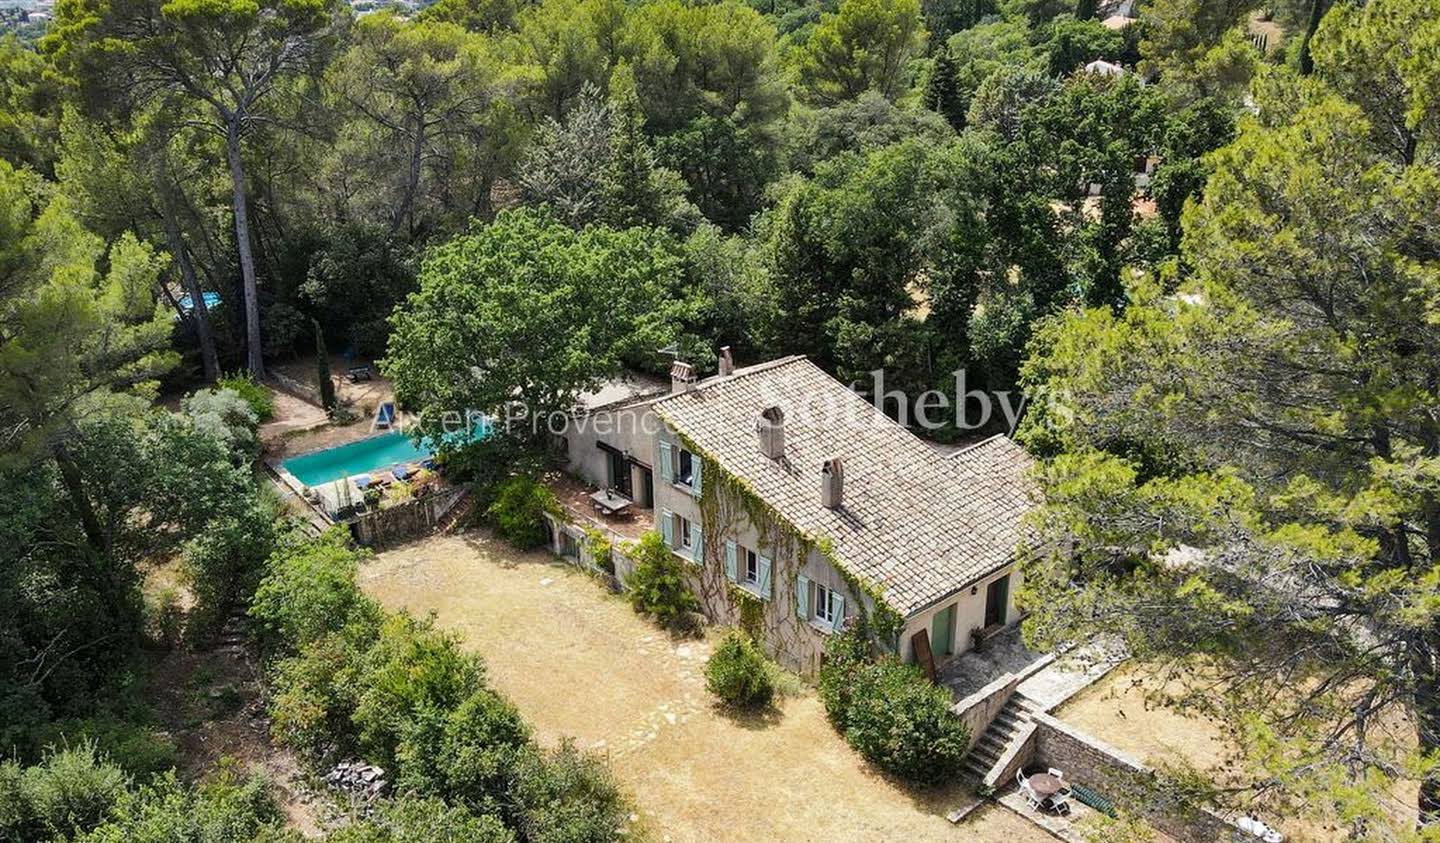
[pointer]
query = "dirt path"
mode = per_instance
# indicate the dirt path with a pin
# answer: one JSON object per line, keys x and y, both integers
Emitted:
{"x": 579, "y": 662}
{"x": 210, "y": 703}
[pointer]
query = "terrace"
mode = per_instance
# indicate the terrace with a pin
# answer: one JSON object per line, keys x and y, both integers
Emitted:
{"x": 575, "y": 498}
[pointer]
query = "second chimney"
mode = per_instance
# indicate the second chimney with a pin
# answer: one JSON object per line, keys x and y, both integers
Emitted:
{"x": 770, "y": 427}
{"x": 727, "y": 362}
{"x": 832, "y": 483}
{"x": 682, "y": 376}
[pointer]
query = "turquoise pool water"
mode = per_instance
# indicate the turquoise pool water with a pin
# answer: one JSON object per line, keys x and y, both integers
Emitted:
{"x": 375, "y": 453}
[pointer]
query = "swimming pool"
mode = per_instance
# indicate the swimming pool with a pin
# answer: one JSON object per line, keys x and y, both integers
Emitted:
{"x": 371, "y": 454}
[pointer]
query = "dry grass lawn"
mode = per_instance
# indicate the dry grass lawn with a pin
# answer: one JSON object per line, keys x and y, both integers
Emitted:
{"x": 1119, "y": 710}
{"x": 578, "y": 662}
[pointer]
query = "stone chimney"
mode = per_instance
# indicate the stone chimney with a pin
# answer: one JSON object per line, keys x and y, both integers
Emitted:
{"x": 832, "y": 483}
{"x": 682, "y": 377}
{"x": 727, "y": 362}
{"x": 770, "y": 427}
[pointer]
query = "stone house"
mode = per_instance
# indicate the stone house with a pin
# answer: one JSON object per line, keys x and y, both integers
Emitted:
{"x": 801, "y": 508}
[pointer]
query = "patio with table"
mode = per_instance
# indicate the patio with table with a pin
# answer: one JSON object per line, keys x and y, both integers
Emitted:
{"x": 609, "y": 502}
{"x": 1046, "y": 791}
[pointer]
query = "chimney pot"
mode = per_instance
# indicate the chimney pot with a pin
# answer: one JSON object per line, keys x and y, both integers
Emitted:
{"x": 727, "y": 362}
{"x": 770, "y": 427}
{"x": 682, "y": 376}
{"x": 832, "y": 483}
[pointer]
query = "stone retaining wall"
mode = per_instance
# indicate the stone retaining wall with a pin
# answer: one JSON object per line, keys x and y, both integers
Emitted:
{"x": 564, "y": 535}
{"x": 979, "y": 710}
{"x": 405, "y": 521}
{"x": 1088, "y": 761}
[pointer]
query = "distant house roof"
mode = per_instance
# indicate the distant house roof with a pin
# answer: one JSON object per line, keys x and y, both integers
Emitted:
{"x": 917, "y": 524}
{"x": 1105, "y": 68}
{"x": 628, "y": 388}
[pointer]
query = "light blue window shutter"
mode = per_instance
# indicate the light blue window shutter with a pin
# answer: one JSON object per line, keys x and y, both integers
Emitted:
{"x": 697, "y": 544}
{"x": 802, "y": 597}
{"x": 667, "y": 472}
{"x": 667, "y": 527}
{"x": 838, "y": 604}
{"x": 695, "y": 463}
{"x": 764, "y": 584}
{"x": 730, "y": 565}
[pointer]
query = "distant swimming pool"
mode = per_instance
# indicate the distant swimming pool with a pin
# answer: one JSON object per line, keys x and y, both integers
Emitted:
{"x": 371, "y": 454}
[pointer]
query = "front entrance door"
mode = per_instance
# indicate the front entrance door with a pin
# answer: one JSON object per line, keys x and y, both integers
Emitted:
{"x": 997, "y": 601}
{"x": 942, "y": 632}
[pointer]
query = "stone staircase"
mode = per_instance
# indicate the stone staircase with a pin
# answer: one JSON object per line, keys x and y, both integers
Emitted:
{"x": 1003, "y": 730}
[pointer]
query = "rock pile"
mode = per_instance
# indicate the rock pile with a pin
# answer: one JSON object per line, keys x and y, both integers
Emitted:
{"x": 362, "y": 782}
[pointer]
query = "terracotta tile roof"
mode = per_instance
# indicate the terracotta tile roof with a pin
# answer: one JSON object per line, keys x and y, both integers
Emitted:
{"x": 915, "y": 523}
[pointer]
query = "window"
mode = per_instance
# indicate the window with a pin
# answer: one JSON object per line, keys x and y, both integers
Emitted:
{"x": 686, "y": 538}
{"x": 686, "y": 473}
{"x": 824, "y": 604}
{"x": 752, "y": 567}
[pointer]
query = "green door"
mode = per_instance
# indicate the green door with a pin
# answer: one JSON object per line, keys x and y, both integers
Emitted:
{"x": 942, "y": 632}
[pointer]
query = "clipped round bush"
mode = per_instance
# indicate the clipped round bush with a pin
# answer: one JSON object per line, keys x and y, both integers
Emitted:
{"x": 738, "y": 672}
{"x": 902, "y": 722}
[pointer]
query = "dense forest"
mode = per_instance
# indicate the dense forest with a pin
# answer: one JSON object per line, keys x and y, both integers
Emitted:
{"x": 1206, "y": 232}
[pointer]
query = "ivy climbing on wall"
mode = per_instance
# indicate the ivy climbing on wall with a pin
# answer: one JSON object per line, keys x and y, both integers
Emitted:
{"x": 727, "y": 505}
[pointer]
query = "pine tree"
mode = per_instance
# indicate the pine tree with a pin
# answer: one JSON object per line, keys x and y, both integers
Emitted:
{"x": 942, "y": 89}
{"x": 632, "y": 190}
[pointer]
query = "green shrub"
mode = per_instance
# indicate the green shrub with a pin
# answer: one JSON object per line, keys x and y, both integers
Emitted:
{"x": 567, "y": 796}
{"x": 228, "y": 417}
{"x": 519, "y": 509}
{"x": 659, "y": 585}
{"x": 845, "y": 655}
{"x": 601, "y": 551}
{"x": 223, "y": 564}
{"x": 411, "y": 819}
{"x": 465, "y": 755}
{"x": 309, "y": 590}
{"x": 410, "y": 668}
{"x": 252, "y": 393}
{"x": 70, "y": 792}
{"x": 164, "y": 618}
{"x": 313, "y": 694}
{"x": 221, "y": 809}
{"x": 901, "y": 721}
{"x": 738, "y": 673}
{"x": 132, "y": 746}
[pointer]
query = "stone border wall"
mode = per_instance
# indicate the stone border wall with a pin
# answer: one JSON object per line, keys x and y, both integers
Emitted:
{"x": 1106, "y": 770}
{"x": 981, "y": 708}
{"x": 560, "y": 529}
{"x": 405, "y": 521}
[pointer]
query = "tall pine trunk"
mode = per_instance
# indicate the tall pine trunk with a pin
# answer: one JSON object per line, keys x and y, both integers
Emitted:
{"x": 254, "y": 360}
{"x": 199, "y": 315}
